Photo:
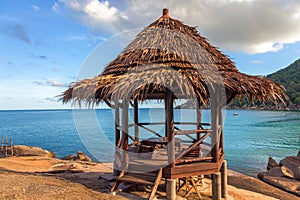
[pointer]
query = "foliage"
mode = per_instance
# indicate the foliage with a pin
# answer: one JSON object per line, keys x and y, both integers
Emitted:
{"x": 289, "y": 77}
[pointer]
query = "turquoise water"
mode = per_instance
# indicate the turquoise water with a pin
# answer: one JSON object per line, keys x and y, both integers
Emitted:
{"x": 250, "y": 138}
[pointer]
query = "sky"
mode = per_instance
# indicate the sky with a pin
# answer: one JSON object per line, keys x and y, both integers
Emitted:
{"x": 46, "y": 45}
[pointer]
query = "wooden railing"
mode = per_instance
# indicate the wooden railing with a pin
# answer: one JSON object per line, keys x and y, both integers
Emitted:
{"x": 7, "y": 144}
{"x": 179, "y": 160}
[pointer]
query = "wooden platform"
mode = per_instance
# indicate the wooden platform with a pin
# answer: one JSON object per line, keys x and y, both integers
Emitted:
{"x": 143, "y": 163}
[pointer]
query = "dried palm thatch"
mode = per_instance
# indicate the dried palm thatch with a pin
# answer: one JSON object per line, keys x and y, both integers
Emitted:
{"x": 169, "y": 54}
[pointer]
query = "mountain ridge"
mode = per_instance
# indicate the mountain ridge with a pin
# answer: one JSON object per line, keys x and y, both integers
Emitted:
{"x": 289, "y": 77}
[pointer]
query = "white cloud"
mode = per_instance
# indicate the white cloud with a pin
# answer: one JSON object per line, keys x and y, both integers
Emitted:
{"x": 257, "y": 62}
{"x": 55, "y": 8}
{"x": 98, "y": 16}
{"x": 56, "y": 83}
{"x": 253, "y": 26}
{"x": 35, "y": 8}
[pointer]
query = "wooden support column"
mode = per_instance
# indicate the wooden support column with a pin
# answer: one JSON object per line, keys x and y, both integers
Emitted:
{"x": 169, "y": 132}
{"x": 214, "y": 125}
{"x": 216, "y": 178}
{"x": 136, "y": 121}
{"x": 169, "y": 126}
{"x": 117, "y": 124}
{"x": 125, "y": 157}
{"x": 199, "y": 120}
{"x": 171, "y": 189}
{"x": 216, "y": 186}
{"x": 117, "y": 140}
{"x": 199, "y": 117}
{"x": 224, "y": 180}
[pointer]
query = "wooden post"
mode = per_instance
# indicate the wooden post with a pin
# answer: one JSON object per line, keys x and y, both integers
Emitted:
{"x": 136, "y": 121}
{"x": 117, "y": 139}
{"x": 216, "y": 186}
{"x": 224, "y": 180}
{"x": 169, "y": 132}
{"x": 169, "y": 127}
{"x": 214, "y": 126}
{"x": 171, "y": 189}
{"x": 199, "y": 117}
{"x": 199, "y": 120}
{"x": 11, "y": 147}
{"x": 117, "y": 125}
{"x": 125, "y": 134}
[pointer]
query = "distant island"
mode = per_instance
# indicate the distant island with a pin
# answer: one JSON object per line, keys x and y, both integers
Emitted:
{"x": 288, "y": 77}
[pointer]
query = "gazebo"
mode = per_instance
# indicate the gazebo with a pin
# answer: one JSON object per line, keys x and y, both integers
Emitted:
{"x": 166, "y": 62}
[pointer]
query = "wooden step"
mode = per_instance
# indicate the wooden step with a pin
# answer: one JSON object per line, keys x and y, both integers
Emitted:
{"x": 137, "y": 178}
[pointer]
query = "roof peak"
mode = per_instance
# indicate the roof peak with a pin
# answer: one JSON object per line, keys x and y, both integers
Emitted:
{"x": 165, "y": 13}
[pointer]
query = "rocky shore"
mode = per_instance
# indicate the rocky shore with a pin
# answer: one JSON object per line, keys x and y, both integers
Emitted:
{"x": 284, "y": 175}
{"x": 46, "y": 177}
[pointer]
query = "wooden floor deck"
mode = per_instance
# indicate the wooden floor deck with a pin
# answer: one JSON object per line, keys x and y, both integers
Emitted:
{"x": 148, "y": 162}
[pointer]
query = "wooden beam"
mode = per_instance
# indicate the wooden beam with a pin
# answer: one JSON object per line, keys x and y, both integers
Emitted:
{"x": 125, "y": 125}
{"x": 184, "y": 132}
{"x": 136, "y": 121}
{"x": 179, "y": 123}
{"x": 184, "y": 161}
{"x": 117, "y": 124}
{"x": 150, "y": 130}
{"x": 192, "y": 146}
{"x": 125, "y": 134}
{"x": 117, "y": 140}
{"x": 169, "y": 127}
{"x": 156, "y": 183}
{"x": 199, "y": 118}
{"x": 214, "y": 126}
{"x": 192, "y": 169}
{"x": 178, "y": 129}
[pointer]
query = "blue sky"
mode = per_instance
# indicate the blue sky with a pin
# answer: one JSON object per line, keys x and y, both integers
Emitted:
{"x": 45, "y": 44}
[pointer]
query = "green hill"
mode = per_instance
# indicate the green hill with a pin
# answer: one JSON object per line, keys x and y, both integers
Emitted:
{"x": 289, "y": 77}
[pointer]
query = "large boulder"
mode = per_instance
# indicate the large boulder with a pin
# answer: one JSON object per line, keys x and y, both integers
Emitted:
{"x": 272, "y": 163}
{"x": 21, "y": 150}
{"x": 293, "y": 163}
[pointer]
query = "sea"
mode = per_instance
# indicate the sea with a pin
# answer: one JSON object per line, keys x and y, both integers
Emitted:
{"x": 251, "y": 137}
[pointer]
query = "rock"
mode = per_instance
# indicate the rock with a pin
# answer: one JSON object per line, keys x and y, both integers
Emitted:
{"x": 293, "y": 163}
{"x": 83, "y": 157}
{"x": 71, "y": 157}
{"x": 272, "y": 163}
{"x": 21, "y": 150}
{"x": 284, "y": 183}
{"x": 287, "y": 172}
{"x": 274, "y": 172}
{"x": 298, "y": 155}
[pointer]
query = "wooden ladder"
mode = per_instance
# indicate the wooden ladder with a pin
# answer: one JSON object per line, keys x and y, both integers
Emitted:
{"x": 153, "y": 179}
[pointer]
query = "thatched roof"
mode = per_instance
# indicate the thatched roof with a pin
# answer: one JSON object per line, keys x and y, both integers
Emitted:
{"x": 170, "y": 54}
